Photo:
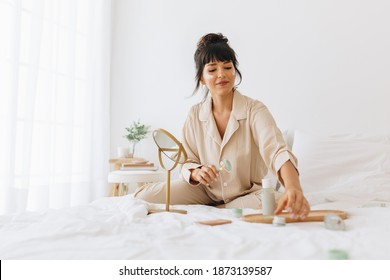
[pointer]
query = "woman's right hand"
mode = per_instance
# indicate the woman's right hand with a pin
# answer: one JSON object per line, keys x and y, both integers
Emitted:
{"x": 205, "y": 175}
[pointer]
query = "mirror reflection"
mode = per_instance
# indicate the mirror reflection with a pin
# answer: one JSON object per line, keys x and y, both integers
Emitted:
{"x": 169, "y": 145}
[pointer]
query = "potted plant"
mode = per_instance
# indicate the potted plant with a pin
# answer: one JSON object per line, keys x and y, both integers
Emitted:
{"x": 136, "y": 132}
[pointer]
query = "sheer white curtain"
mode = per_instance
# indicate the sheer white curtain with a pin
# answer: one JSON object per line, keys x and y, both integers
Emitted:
{"x": 54, "y": 102}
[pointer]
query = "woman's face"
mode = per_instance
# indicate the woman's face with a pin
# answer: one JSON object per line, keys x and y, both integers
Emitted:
{"x": 219, "y": 77}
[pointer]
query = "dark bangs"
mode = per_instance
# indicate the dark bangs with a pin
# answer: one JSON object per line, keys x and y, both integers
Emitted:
{"x": 217, "y": 52}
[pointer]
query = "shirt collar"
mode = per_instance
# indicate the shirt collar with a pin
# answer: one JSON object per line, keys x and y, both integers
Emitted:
{"x": 239, "y": 110}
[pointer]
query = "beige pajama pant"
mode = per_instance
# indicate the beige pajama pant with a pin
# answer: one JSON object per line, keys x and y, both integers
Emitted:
{"x": 183, "y": 193}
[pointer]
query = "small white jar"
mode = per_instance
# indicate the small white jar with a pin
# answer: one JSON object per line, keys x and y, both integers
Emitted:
{"x": 279, "y": 221}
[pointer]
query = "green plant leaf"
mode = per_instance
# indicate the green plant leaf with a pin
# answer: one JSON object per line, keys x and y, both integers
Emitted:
{"x": 137, "y": 131}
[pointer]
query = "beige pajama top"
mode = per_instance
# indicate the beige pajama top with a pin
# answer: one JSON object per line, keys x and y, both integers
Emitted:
{"x": 252, "y": 143}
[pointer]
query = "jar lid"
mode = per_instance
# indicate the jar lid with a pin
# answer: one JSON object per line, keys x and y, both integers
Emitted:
{"x": 337, "y": 254}
{"x": 237, "y": 212}
{"x": 279, "y": 221}
{"x": 334, "y": 222}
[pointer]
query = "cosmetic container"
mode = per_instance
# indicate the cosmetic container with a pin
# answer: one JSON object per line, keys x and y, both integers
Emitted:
{"x": 334, "y": 222}
{"x": 279, "y": 221}
{"x": 237, "y": 212}
{"x": 268, "y": 198}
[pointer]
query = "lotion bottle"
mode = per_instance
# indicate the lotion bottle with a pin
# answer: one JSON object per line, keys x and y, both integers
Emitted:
{"x": 268, "y": 198}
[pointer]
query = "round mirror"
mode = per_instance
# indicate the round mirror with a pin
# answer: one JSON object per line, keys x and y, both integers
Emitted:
{"x": 169, "y": 145}
{"x": 174, "y": 151}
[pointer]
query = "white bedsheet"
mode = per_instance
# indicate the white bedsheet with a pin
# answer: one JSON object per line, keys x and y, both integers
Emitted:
{"x": 119, "y": 228}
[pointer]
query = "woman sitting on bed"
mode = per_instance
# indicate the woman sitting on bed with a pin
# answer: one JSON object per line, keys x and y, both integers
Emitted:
{"x": 232, "y": 126}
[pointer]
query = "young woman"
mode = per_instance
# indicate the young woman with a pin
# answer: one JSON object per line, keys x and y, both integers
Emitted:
{"x": 232, "y": 126}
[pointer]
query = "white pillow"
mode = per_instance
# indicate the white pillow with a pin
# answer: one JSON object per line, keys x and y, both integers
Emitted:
{"x": 345, "y": 166}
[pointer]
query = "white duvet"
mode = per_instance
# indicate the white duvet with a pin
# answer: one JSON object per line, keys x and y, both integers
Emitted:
{"x": 344, "y": 172}
{"x": 119, "y": 228}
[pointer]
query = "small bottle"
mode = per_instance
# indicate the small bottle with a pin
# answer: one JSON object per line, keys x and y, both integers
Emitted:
{"x": 268, "y": 198}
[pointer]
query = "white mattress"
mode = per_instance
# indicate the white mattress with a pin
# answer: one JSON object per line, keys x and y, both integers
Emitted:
{"x": 119, "y": 228}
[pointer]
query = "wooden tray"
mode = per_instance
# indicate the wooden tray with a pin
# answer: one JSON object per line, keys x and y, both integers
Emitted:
{"x": 314, "y": 216}
{"x": 214, "y": 222}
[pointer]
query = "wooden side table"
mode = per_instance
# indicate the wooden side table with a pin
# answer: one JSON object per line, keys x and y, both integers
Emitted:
{"x": 119, "y": 180}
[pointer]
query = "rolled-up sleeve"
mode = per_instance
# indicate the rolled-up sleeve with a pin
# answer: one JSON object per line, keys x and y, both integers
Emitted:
{"x": 282, "y": 157}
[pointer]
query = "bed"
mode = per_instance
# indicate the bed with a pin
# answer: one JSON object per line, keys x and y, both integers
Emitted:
{"x": 349, "y": 172}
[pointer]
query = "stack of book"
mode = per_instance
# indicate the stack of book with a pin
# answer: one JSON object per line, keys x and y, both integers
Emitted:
{"x": 146, "y": 165}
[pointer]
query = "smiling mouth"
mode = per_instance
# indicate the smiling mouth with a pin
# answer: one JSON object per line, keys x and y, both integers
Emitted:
{"x": 222, "y": 83}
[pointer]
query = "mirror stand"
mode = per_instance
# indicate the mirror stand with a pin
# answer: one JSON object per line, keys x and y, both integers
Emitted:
{"x": 167, "y": 199}
{"x": 171, "y": 148}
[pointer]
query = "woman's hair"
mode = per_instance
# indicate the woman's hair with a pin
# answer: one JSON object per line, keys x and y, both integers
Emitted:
{"x": 213, "y": 47}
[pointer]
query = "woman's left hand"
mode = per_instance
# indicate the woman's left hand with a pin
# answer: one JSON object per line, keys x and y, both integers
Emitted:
{"x": 294, "y": 202}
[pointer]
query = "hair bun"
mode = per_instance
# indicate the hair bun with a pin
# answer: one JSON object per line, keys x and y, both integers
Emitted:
{"x": 212, "y": 38}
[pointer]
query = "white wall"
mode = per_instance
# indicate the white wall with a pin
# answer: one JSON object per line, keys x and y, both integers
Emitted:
{"x": 318, "y": 65}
